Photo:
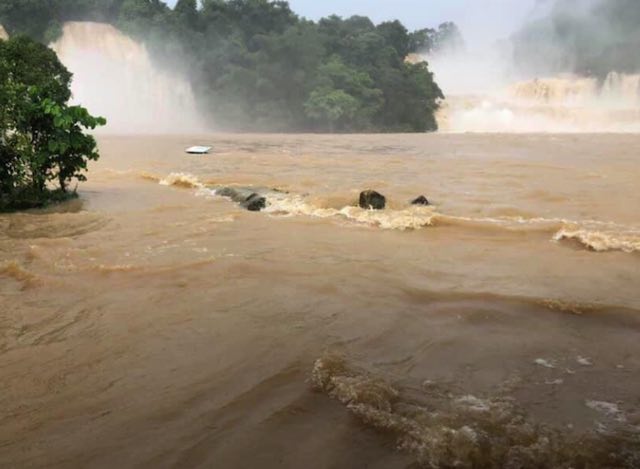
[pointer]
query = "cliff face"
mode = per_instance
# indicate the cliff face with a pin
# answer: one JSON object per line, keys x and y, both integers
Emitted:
{"x": 3, "y": 33}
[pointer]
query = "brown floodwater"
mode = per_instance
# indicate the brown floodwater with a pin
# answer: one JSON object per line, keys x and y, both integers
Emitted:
{"x": 153, "y": 323}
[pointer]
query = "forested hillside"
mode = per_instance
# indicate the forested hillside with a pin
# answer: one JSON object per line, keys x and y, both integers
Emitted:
{"x": 256, "y": 65}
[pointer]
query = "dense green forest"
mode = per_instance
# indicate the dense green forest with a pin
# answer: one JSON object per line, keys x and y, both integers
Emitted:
{"x": 256, "y": 65}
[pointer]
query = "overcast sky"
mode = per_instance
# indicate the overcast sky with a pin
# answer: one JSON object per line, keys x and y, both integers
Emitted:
{"x": 482, "y": 21}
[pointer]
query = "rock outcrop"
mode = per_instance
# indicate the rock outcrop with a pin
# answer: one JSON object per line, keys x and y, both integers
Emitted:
{"x": 422, "y": 200}
{"x": 372, "y": 200}
{"x": 246, "y": 197}
{"x": 254, "y": 203}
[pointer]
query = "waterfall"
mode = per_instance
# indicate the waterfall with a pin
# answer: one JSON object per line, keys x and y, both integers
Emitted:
{"x": 564, "y": 103}
{"x": 113, "y": 76}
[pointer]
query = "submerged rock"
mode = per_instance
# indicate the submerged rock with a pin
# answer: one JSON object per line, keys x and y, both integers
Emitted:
{"x": 246, "y": 197}
{"x": 254, "y": 203}
{"x": 372, "y": 200}
{"x": 237, "y": 195}
{"x": 422, "y": 200}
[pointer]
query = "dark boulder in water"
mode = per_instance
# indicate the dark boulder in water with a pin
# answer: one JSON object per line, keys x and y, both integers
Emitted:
{"x": 372, "y": 200}
{"x": 238, "y": 195}
{"x": 248, "y": 199}
{"x": 254, "y": 203}
{"x": 422, "y": 200}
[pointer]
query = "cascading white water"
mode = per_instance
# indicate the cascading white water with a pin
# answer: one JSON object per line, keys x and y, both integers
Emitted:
{"x": 480, "y": 98}
{"x": 3, "y": 33}
{"x": 115, "y": 78}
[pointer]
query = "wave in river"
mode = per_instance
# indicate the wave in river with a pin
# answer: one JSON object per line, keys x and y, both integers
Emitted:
{"x": 444, "y": 428}
{"x": 601, "y": 241}
{"x": 185, "y": 180}
{"x": 16, "y": 271}
{"x": 590, "y": 234}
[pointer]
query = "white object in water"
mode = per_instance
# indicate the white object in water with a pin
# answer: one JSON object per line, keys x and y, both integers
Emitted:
{"x": 544, "y": 363}
{"x": 197, "y": 150}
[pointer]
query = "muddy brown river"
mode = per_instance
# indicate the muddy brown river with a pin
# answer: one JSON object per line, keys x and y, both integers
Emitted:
{"x": 154, "y": 323}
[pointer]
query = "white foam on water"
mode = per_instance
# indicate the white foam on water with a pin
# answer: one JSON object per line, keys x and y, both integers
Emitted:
{"x": 473, "y": 403}
{"x": 544, "y": 363}
{"x": 595, "y": 235}
{"x": 555, "y": 382}
{"x": 608, "y": 409}
{"x": 182, "y": 180}
{"x": 601, "y": 241}
{"x": 411, "y": 218}
{"x": 584, "y": 361}
{"x": 484, "y": 95}
{"x": 443, "y": 429}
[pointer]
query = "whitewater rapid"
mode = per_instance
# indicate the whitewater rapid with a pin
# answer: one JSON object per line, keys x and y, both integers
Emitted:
{"x": 597, "y": 236}
{"x": 564, "y": 103}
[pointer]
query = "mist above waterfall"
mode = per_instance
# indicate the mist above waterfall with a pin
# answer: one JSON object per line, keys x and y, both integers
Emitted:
{"x": 115, "y": 77}
{"x": 571, "y": 67}
{"x": 587, "y": 37}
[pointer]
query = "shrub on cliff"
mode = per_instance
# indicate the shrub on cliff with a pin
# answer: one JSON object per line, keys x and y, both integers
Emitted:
{"x": 43, "y": 147}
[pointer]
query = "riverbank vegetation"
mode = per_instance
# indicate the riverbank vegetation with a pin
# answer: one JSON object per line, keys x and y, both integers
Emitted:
{"x": 43, "y": 147}
{"x": 256, "y": 65}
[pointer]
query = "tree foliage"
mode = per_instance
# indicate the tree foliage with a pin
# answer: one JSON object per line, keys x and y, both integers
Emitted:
{"x": 445, "y": 38}
{"x": 256, "y": 65}
{"x": 42, "y": 139}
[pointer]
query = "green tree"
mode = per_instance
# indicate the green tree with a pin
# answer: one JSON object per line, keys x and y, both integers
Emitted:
{"x": 344, "y": 99}
{"x": 69, "y": 147}
{"x": 448, "y": 37}
{"x": 41, "y": 136}
{"x": 188, "y": 9}
{"x": 422, "y": 40}
{"x": 396, "y": 36}
{"x": 31, "y": 17}
{"x": 331, "y": 106}
{"x": 256, "y": 65}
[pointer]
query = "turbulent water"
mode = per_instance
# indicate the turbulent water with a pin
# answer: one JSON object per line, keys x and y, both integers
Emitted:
{"x": 564, "y": 103}
{"x": 155, "y": 323}
{"x": 483, "y": 94}
{"x": 114, "y": 77}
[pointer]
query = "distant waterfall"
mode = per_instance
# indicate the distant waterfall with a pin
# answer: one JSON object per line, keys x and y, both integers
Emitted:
{"x": 559, "y": 104}
{"x": 483, "y": 96}
{"x": 115, "y": 78}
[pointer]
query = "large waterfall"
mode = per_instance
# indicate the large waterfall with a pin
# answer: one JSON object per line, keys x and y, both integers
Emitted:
{"x": 114, "y": 77}
{"x": 482, "y": 98}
